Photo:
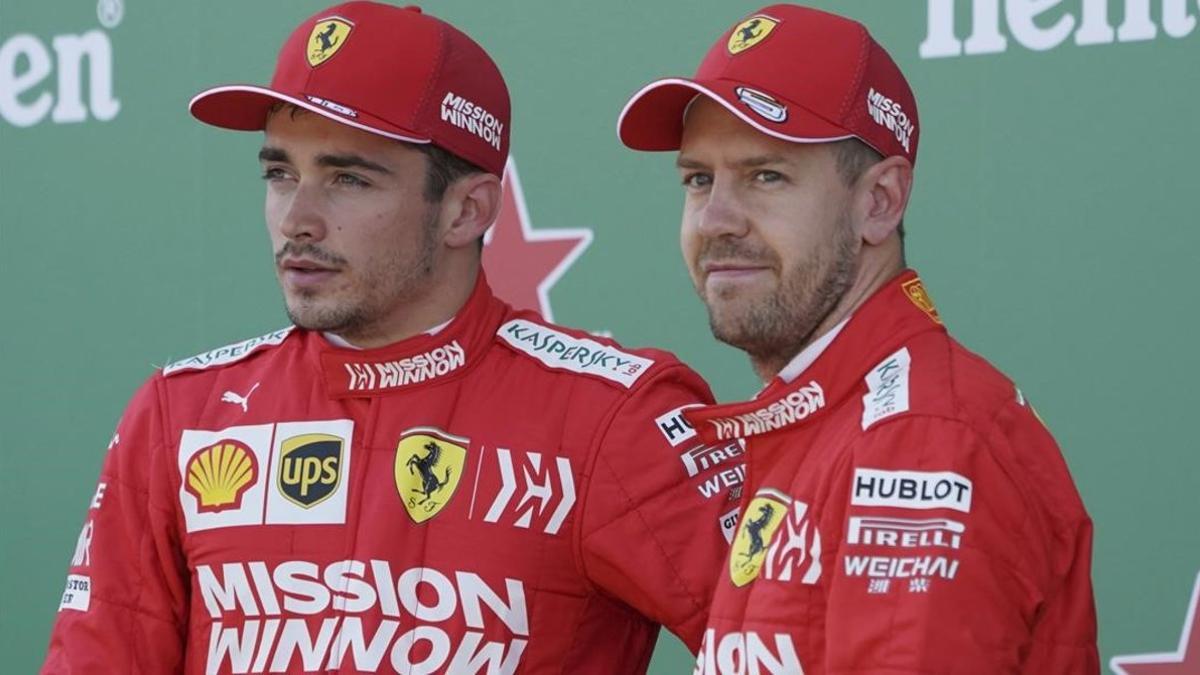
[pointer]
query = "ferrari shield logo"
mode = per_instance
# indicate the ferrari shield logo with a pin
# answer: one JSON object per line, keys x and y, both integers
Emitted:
{"x": 750, "y": 32}
{"x": 759, "y": 522}
{"x": 326, "y": 39}
{"x": 429, "y": 464}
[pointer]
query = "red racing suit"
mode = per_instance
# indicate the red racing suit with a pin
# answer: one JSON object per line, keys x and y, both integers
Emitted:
{"x": 904, "y": 511}
{"x": 503, "y": 496}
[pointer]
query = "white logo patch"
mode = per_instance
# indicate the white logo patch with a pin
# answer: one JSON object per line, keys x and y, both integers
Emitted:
{"x": 796, "y": 544}
{"x": 675, "y": 427}
{"x": 912, "y": 489}
{"x": 883, "y": 567}
{"x": 579, "y": 355}
{"x": 766, "y": 106}
{"x": 409, "y": 370}
{"x": 78, "y": 595}
{"x": 212, "y": 496}
{"x": 794, "y": 407}
{"x": 748, "y": 652}
{"x": 549, "y": 488}
{"x": 335, "y": 107}
{"x": 227, "y": 354}
{"x": 83, "y": 546}
{"x": 310, "y": 617}
{"x": 904, "y": 532}
{"x": 472, "y": 118}
{"x": 887, "y": 389}
{"x": 890, "y": 115}
{"x": 729, "y": 523}
{"x": 280, "y": 509}
{"x": 705, "y": 457}
{"x": 237, "y": 399}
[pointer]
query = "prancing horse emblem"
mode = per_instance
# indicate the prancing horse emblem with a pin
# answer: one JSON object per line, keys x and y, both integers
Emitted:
{"x": 429, "y": 464}
{"x": 426, "y": 465}
{"x": 327, "y": 37}
{"x": 754, "y": 535}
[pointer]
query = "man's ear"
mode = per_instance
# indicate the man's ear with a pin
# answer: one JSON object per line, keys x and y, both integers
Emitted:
{"x": 469, "y": 208}
{"x": 882, "y": 193}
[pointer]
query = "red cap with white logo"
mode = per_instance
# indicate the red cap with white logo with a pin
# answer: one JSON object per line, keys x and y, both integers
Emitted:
{"x": 391, "y": 71}
{"x": 792, "y": 72}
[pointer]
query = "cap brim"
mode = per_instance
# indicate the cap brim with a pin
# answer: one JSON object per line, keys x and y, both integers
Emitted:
{"x": 653, "y": 117}
{"x": 244, "y": 107}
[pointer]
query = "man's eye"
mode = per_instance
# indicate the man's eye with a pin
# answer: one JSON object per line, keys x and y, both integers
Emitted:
{"x": 350, "y": 180}
{"x": 697, "y": 180}
{"x": 768, "y": 176}
{"x": 273, "y": 173}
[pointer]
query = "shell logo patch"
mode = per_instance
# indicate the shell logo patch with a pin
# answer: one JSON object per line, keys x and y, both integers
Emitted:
{"x": 750, "y": 32}
{"x": 429, "y": 464}
{"x": 917, "y": 294}
{"x": 758, "y": 524}
{"x": 326, "y": 38}
{"x": 218, "y": 475}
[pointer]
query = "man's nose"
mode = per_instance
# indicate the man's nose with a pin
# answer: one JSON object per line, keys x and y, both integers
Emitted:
{"x": 305, "y": 215}
{"x": 723, "y": 213}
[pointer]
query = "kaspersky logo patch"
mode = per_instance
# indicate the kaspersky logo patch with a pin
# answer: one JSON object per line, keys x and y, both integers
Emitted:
{"x": 429, "y": 464}
{"x": 326, "y": 38}
{"x": 751, "y": 32}
{"x": 310, "y": 468}
{"x": 220, "y": 474}
{"x": 759, "y": 522}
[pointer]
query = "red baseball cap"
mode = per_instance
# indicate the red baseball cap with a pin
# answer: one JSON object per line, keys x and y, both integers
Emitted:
{"x": 391, "y": 71}
{"x": 792, "y": 72}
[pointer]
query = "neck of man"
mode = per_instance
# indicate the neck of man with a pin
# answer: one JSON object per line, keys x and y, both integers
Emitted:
{"x": 447, "y": 290}
{"x": 877, "y": 265}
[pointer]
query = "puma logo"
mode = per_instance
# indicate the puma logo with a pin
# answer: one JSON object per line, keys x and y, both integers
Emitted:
{"x": 237, "y": 399}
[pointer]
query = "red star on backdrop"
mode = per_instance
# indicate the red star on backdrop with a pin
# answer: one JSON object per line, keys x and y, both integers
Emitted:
{"x": 522, "y": 263}
{"x": 1183, "y": 661}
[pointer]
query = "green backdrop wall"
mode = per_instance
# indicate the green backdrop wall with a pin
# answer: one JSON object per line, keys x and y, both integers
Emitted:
{"x": 1054, "y": 221}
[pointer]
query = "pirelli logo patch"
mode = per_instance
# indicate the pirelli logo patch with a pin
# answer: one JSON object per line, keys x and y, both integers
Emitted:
{"x": 580, "y": 355}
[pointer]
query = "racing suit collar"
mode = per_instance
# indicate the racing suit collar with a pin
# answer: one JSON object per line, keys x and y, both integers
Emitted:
{"x": 896, "y": 312}
{"x": 421, "y": 360}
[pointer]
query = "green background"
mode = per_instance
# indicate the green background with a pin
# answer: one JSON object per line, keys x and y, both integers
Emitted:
{"x": 1053, "y": 221}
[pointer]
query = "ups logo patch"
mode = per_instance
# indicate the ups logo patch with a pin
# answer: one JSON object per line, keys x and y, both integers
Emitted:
{"x": 310, "y": 468}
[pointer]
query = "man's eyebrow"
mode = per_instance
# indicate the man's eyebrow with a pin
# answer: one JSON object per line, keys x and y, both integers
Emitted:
{"x": 761, "y": 160}
{"x": 272, "y": 154}
{"x": 750, "y": 162}
{"x": 349, "y": 161}
{"x": 339, "y": 161}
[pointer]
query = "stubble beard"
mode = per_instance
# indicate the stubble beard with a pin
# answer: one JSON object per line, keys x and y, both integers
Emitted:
{"x": 379, "y": 291}
{"x": 773, "y": 328}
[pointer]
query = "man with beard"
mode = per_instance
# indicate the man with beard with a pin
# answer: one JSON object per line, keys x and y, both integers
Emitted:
{"x": 414, "y": 478}
{"x": 905, "y": 509}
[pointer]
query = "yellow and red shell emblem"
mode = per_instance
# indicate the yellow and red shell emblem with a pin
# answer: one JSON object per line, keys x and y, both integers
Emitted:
{"x": 220, "y": 474}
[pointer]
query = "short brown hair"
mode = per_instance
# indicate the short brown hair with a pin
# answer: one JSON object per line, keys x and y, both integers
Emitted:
{"x": 442, "y": 168}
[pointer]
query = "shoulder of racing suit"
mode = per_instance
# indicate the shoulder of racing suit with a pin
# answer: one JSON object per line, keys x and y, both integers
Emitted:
{"x": 230, "y": 353}
{"x": 933, "y": 375}
{"x": 571, "y": 351}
